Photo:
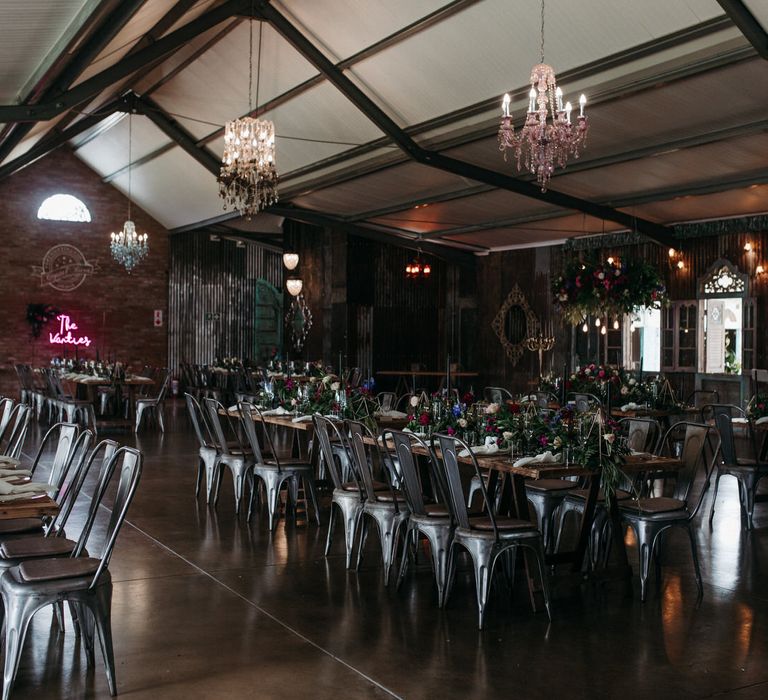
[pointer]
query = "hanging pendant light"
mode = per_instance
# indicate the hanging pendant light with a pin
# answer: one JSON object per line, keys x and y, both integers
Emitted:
{"x": 248, "y": 177}
{"x": 129, "y": 248}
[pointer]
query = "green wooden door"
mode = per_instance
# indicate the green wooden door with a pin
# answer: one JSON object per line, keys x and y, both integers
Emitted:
{"x": 268, "y": 321}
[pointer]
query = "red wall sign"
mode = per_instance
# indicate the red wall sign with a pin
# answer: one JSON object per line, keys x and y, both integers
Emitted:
{"x": 64, "y": 335}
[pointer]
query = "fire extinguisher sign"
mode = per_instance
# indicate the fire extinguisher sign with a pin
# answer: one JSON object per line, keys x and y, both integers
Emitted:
{"x": 158, "y": 318}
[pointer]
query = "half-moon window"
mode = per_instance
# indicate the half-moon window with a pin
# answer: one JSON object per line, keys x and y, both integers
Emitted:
{"x": 63, "y": 207}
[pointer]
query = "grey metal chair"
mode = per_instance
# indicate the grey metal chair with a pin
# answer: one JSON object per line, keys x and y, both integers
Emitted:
{"x": 208, "y": 455}
{"x": 274, "y": 472}
{"x": 546, "y": 496}
{"x": 17, "y": 428}
{"x": 236, "y": 458}
{"x": 651, "y": 518}
{"x": 428, "y": 517}
{"x": 586, "y": 402}
{"x": 348, "y": 495}
{"x": 6, "y": 409}
{"x": 497, "y": 394}
{"x": 748, "y": 470}
{"x": 486, "y": 538}
{"x": 386, "y": 400}
{"x": 153, "y": 405}
{"x": 387, "y": 508}
{"x": 83, "y": 581}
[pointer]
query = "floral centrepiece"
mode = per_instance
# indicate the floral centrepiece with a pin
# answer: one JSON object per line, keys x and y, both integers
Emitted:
{"x": 607, "y": 289}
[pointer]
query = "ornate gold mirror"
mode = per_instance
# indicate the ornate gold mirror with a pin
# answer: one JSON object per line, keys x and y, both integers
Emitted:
{"x": 514, "y": 323}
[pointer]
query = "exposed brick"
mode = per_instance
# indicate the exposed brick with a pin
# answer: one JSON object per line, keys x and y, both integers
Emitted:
{"x": 112, "y": 307}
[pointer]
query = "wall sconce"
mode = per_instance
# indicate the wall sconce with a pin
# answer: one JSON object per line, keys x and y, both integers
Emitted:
{"x": 294, "y": 286}
{"x": 290, "y": 260}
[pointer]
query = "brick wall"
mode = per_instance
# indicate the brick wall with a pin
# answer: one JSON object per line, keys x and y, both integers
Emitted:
{"x": 110, "y": 306}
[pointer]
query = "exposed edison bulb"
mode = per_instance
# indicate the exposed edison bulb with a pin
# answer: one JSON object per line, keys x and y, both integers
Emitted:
{"x": 748, "y": 247}
{"x": 610, "y": 261}
{"x": 759, "y": 270}
{"x": 603, "y": 331}
{"x": 615, "y": 324}
{"x": 680, "y": 265}
{"x": 585, "y": 327}
{"x": 671, "y": 252}
{"x": 597, "y": 322}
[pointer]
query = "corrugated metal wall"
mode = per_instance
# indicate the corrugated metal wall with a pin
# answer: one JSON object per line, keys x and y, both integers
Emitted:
{"x": 211, "y": 294}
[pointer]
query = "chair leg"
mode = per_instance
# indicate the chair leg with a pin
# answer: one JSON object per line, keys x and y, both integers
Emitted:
{"x": 481, "y": 552}
{"x": 645, "y": 545}
{"x": 695, "y": 556}
{"x": 538, "y": 550}
{"x": 714, "y": 498}
{"x": 18, "y": 615}
{"x": 200, "y": 473}
{"x": 331, "y": 526}
{"x": 750, "y": 486}
{"x": 160, "y": 417}
{"x": 439, "y": 545}
{"x": 451, "y": 575}
{"x": 102, "y": 614}
{"x": 309, "y": 485}
{"x": 139, "y": 414}
{"x": 404, "y": 555}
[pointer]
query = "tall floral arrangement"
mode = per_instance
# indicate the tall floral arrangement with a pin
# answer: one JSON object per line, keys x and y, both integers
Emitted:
{"x": 38, "y": 315}
{"x": 606, "y": 289}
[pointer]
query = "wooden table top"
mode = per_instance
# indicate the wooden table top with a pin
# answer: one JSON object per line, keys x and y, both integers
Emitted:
{"x": 106, "y": 381}
{"x": 423, "y": 373}
{"x": 32, "y": 507}
{"x": 287, "y": 421}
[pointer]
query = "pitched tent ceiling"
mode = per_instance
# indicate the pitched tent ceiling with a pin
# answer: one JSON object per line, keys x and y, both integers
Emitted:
{"x": 367, "y": 97}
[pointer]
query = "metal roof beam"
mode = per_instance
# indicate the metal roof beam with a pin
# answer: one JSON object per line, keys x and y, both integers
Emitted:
{"x": 747, "y": 24}
{"x": 660, "y": 234}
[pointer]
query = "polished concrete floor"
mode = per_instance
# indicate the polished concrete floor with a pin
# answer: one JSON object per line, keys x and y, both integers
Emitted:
{"x": 208, "y": 606}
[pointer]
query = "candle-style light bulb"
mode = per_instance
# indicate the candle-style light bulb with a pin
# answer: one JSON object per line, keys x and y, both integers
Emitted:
{"x": 559, "y": 98}
{"x": 532, "y": 99}
{"x": 585, "y": 327}
{"x": 505, "y": 104}
{"x": 603, "y": 331}
{"x": 582, "y": 103}
{"x": 597, "y": 322}
{"x": 568, "y": 109}
{"x": 616, "y": 324}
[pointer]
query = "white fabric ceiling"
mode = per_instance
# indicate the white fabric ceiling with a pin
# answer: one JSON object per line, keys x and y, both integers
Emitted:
{"x": 663, "y": 78}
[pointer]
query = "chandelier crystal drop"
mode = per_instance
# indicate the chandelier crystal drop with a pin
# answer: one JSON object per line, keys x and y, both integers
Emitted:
{"x": 548, "y": 137}
{"x": 248, "y": 176}
{"x": 128, "y": 247}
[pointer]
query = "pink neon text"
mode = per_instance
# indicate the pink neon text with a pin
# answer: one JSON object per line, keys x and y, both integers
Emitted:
{"x": 64, "y": 335}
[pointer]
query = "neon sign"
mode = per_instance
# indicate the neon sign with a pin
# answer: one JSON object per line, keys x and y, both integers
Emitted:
{"x": 64, "y": 335}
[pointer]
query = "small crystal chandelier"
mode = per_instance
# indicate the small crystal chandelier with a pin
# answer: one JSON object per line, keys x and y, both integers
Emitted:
{"x": 248, "y": 177}
{"x": 542, "y": 146}
{"x": 417, "y": 268}
{"x": 128, "y": 247}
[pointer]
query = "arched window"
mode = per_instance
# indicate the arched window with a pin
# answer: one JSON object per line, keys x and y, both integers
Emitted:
{"x": 63, "y": 207}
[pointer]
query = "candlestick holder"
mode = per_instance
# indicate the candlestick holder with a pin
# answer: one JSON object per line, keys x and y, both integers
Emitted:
{"x": 541, "y": 340}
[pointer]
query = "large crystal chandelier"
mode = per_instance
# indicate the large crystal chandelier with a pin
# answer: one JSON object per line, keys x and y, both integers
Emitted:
{"x": 129, "y": 248}
{"x": 542, "y": 145}
{"x": 248, "y": 177}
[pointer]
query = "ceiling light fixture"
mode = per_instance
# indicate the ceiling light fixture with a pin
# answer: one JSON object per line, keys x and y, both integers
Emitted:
{"x": 294, "y": 286}
{"x": 417, "y": 268}
{"x": 129, "y": 248}
{"x": 290, "y": 260}
{"x": 248, "y": 177}
{"x": 541, "y": 145}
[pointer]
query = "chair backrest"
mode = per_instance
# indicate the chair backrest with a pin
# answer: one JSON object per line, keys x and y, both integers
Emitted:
{"x": 724, "y": 426}
{"x": 457, "y": 500}
{"x": 642, "y": 434}
{"x": 77, "y": 456}
{"x": 65, "y": 435}
{"x": 496, "y": 394}
{"x": 127, "y": 464}
{"x": 702, "y": 397}
{"x": 692, "y": 458}
{"x": 6, "y": 408}
{"x": 164, "y": 386}
{"x": 70, "y": 491}
{"x": 404, "y": 402}
{"x": 247, "y": 411}
{"x": 386, "y": 400}
{"x": 357, "y": 432}
{"x": 586, "y": 402}
{"x": 212, "y": 408}
{"x": 199, "y": 422}
{"x": 325, "y": 429}
{"x": 20, "y": 422}
{"x": 710, "y": 410}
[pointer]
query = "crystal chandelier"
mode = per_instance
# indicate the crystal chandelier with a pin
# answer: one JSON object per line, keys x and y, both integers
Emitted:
{"x": 129, "y": 248}
{"x": 543, "y": 145}
{"x": 248, "y": 177}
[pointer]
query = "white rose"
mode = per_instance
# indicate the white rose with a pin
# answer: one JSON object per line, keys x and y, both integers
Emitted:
{"x": 557, "y": 442}
{"x": 601, "y": 276}
{"x": 587, "y": 372}
{"x": 624, "y": 390}
{"x": 492, "y": 408}
{"x": 462, "y": 422}
{"x": 294, "y": 402}
{"x": 609, "y": 437}
{"x": 414, "y": 401}
{"x": 506, "y": 435}
{"x": 335, "y": 386}
{"x": 632, "y": 381}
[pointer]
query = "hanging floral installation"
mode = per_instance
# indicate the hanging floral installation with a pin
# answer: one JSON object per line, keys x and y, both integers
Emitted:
{"x": 607, "y": 289}
{"x": 38, "y": 315}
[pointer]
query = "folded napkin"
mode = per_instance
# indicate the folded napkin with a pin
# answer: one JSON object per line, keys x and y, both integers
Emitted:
{"x": 14, "y": 472}
{"x": 543, "y": 458}
{"x": 30, "y": 488}
{"x": 631, "y": 406}
{"x": 18, "y": 497}
{"x": 279, "y": 411}
{"x": 490, "y": 447}
{"x": 9, "y": 461}
{"x": 302, "y": 419}
{"x": 739, "y": 419}
{"x": 408, "y": 430}
{"x": 644, "y": 455}
{"x": 392, "y": 414}
{"x": 759, "y": 421}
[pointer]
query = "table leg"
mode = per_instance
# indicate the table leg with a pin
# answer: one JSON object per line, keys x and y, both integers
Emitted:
{"x": 522, "y": 512}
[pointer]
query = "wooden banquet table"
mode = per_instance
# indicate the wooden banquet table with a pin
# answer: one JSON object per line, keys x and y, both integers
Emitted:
{"x": 90, "y": 383}
{"x": 423, "y": 373}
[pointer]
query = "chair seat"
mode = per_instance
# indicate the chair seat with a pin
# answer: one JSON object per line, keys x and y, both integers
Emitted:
{"x": 660, "y": 504}
{"x": 352, "y": 486}
{"x": 550, "y": 485}
{"x": 291, "y": 464}
{"x": 582, "y": 494}
{"x": 45, "y": 570}
{"x": 502, "y": 524}
{"x": 437, "y": 510}
{"x": 30, "y": 547}
{"x": 390, "y": 496}
{"x": 20, "y": 526}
